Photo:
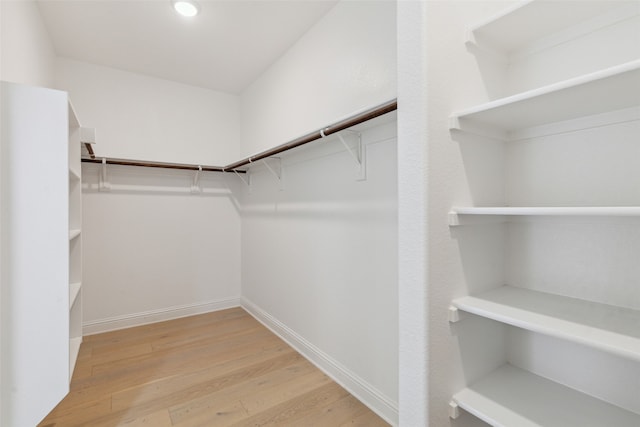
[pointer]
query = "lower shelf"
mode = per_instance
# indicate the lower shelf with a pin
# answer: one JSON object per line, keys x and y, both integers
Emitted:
{"x": 605, "y": 327}
{"x": 74, "y": 349}
{"x": 74, "y": 290}
{"x": 512, "y": 397}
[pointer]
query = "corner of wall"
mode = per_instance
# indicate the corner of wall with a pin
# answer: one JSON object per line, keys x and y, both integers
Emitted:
{"x": 27, "y": 54}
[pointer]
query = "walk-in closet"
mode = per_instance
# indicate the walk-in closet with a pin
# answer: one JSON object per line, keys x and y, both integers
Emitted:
{"x": 320, "y": 213}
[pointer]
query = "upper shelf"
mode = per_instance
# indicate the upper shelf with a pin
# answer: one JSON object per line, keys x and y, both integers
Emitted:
{"x": 73, "y": 233}
{"x": 612, "y": 89}
{"x": 528, "y": 22}
{"x": 73, "y": 118}
{"x": 510, "y": 396}
{"x": 605, "y": 327}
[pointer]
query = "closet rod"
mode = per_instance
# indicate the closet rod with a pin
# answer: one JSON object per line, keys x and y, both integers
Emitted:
{"x": 356, "y": 119}
{"x": 147, "y": 164}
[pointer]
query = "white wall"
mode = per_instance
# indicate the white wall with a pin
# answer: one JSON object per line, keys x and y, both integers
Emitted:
{"x": 145, "y": 118}
{"x": 26, "y": 52}
{"x": 413, "y": 358}
{"x": 319, "y": 261}
{"x": 345, "y": 63}
{"x": 436, "y": 76}
{"x": 153, "y": 250}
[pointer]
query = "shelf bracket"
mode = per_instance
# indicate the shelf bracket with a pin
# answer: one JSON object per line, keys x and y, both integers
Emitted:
{"x": 454, "y": 410}
{"x": 453, "y": 219}
{"x": 357, "y": 152}
{"x": 103, "y": 182}
{"x": 246, "y": 181}
{"x": 276, "y": 169}
{"x": 453, "y": 314}
{"x": 195, "y": 186}
{"x": 462, "y": 124}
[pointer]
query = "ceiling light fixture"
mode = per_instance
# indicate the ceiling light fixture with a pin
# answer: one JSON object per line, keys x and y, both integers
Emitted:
{"x": 186, "y": 8}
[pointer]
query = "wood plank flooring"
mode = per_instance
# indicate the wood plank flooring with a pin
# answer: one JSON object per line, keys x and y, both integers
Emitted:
{"x": 216, "y": 369}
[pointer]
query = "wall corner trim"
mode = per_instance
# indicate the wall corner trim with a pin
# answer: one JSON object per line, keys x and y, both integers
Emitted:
{"x": 153, "y": 316}
{"x": 363, "y": 391}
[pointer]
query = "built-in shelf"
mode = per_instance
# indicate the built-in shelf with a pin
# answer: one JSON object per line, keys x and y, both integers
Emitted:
{"x": 609, "y": 328}
{"x": 74, "y": 175}
{"x": 594, "y": 211}
{"x": 74, "y": 349}
{"x": 74, "y": 290}
{"x": 73, "y": 233}
{"x": 73, "y": 118}
{"x": 512, "y": 397}
{"x": 613, "y": 89}
{"x": 529, "y": 22}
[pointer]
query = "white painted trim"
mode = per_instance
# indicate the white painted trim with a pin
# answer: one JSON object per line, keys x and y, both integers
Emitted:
{"x": 361, "y": 389}
{"x": 159, "y": 315}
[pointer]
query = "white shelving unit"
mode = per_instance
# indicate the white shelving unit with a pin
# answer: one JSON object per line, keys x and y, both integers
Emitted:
{"x": 607, "y": 100}
{"x": 606, "y": 327}
{"x": 512, "y": 397}
{"x": 38, "y": 189}
{"x": 75, "y": 240}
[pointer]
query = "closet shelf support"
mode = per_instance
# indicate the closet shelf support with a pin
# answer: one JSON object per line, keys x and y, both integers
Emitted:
{"x": 195, "y": 186}
{"x": 103, "y": 183}
{"x": 356, "y": 150}
{"x": 276, "y": 169}
{"x": 246, "y": 181}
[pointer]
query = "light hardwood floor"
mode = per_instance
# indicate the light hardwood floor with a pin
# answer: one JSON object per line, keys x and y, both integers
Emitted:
{"x": 215, "y": 369}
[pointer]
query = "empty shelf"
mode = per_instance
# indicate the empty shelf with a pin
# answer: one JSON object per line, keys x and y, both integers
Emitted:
{"x": 612, "y": 89}
{"x": 73, "y": 175}
{"x": 74, "y": 290}
{"x": 605, "y": 327}
{"x": 525, "y": 23}
{"x": 513, "y": 397}
{"x": 458, "y": 212}
{"x": 74, "y": 349}
{"x": 73, "y": 233}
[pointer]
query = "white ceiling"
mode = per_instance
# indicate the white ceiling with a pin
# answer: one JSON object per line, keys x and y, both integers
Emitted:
{"x": 226, "y": 47}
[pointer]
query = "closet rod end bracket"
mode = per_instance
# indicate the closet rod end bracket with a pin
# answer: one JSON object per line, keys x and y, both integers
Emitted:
{"x": 103, "y": 181}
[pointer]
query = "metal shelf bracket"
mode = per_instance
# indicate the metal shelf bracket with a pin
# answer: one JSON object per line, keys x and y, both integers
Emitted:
{"x": 356, "y": 150}
{"x": 246, "y": 179}
{"x": 103, "y": 181}
{"x": 195, "y": 186}
{"x": 275, "y": 168}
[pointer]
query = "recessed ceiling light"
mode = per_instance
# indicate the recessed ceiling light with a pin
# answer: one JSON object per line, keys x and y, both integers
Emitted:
{"x": 187, "y": 8}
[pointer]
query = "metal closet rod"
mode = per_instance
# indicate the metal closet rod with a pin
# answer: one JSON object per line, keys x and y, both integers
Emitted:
{"x": 148, "y": 164}
{"x": 354, "y": 120}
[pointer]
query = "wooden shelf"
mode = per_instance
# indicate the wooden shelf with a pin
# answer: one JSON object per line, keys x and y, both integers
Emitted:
{"x": 612, "y": 89}
{"x": 73, "y": 233}
{"x": 527, "y": 22}
{"x": 74, "y": 290}
{"x": 513, "y": 397}
{"x": 609, "y": 328}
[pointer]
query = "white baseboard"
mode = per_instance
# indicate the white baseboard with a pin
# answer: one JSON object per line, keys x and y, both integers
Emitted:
{"x": 153, "y": 316}
{"x": 355, "y": 385}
